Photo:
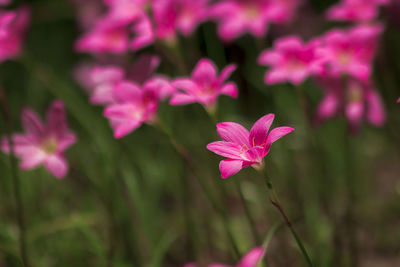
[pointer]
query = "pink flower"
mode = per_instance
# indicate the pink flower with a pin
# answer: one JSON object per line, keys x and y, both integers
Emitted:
{"x": 88, "y": 12}
{"x": 357, "y": 101}
{"x": 99, "y": 80}
{"x": 204, "y": 86}
{"x": 178, "y": 15}
{"x": 355, "y": 10}
{"x": 282, "y": 11}
{"x": 43, "y": 143}
{"x": 243, "y": 148}
{"x": 291, "y": 60}
{"x": 13, "y": 26}
{"x": 237, "y": 17}
{"x": 351, "y": 52}
{"x": 125, "y": 11}
{"x": 251, "y": 259}
{"x": 135, "y": 104}
{"x": 398, "y": 100}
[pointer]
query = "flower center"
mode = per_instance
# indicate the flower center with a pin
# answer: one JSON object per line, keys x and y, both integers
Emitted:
{"x": 344, "y": 58}
{"x": 50, "y": 146}
{"x": 251, "y": 11}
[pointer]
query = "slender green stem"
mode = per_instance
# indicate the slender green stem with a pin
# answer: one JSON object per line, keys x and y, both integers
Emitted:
{"x": 276, "y": 203}
{"x": 249, "y": 216}
{"x": 186, "y": 157}
{"x": 16, "y": 182}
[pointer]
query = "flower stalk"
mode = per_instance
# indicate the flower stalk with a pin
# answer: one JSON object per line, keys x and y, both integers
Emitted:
{"x": 277, "y": 204}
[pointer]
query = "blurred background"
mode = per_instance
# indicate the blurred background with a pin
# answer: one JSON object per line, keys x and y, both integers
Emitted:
{"x": 133, "y": 202}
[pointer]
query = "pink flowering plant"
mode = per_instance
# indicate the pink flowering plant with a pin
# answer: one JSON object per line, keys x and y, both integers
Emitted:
{"x": 204, "y": 86}
{"x": 143, "y": 186}
{"x": 243, "y": 148}
{"x": 43, "y": 143}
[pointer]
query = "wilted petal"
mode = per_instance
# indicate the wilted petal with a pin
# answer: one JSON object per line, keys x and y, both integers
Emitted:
{"x": 230, "y": 167}
{"x": 56, "y": 165}
{"x": 259, "y": 131}
{"x": 225, "y": 149}
{"x": 233, "y": 132}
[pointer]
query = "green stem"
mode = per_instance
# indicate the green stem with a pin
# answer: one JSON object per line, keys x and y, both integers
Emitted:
{"x": 276, "y": 203}
{"x": 16, "y": 182}
{"x": 186, "y": 157}
{"x": 249, "y": 216}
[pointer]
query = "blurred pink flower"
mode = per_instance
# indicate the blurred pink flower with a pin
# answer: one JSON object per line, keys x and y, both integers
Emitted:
{"x": 351, "y": 52}
{"x": 251, "y": 259}
{"x": 237, "y": 17}
{"x": 172, "y": 16}
{"x": 43, "y": 143}
{"x": 243, "y": 148}
{"x": 398, "y": 100}
{"x": 357, "y": 100}
{"x": 292, "y": 61}
{"x": 13, "y": 26}
{"x": 204, "y": 86}
{"x": 355, "y": 10}
{"x": 135, "y": 104}
{"x": 126, "y": 26}
{"x": 282, "y": 11}
{"x": 99, "y": 80}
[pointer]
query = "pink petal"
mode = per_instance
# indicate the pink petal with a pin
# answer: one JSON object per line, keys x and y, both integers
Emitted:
{"x": 31, "y": 123}
{"x": 56, "y": 165}
{"x": 233, "y": 132}
{"x": 277, "y": 133}
{"x": 123, "y": 129}
{"x": 32, "y": 157}
{"x": 185, "y": 84}
{"x": 252, "y": 258}
{"x": 328, "y": 106}
{"x": 225, "y": 149}
{"x": 205, "y": 71}
{"x": 181, "y": 99}
{"x": 259, "y": 131}
{"x": 66, "y": 141}
{"x": 160, "y": 86}
{"x": 230, "y": 167}
{"x": 126, "y": 91}
{"x": 354, "y": 111}
{"x": 229, "y": 89}
{"x": 57, "y": 118}
{"x": 275, "y": 76}
{"x": 144, "y": 67}
{"x": 269, "y": 57}
{"x": 376, "y": 111}
{"x": 226, "y": 72}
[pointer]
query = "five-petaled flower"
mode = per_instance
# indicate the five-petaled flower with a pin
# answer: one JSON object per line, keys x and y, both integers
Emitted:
{"x": 204, "y": 86}
{"x": 243, "y": 148}
{"x": 251, "y": 259}
{"x": 292, "y": 61}
{"x": 43, "y": 143}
